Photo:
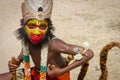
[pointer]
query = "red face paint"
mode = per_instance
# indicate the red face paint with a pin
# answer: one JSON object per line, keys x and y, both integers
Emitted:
{"x": 36, "y": 39}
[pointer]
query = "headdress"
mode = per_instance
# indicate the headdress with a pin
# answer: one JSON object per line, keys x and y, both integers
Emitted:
{"x": 39, "y": 9}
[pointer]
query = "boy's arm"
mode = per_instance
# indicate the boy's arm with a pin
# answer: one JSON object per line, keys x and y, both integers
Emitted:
{"x": 14, "y": 63}
{"x": 77, "y": 63}
{"x": 58, "y": 46}
{"x": 20, "y": 57}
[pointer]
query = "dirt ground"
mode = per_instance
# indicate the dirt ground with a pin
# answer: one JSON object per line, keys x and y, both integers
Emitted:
{"x": 76, "y": 21}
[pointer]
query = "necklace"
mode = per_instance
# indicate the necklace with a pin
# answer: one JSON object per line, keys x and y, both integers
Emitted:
{"x": 43, "y": 66}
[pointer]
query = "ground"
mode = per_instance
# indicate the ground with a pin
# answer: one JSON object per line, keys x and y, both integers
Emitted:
{"x": 76, "y": 21}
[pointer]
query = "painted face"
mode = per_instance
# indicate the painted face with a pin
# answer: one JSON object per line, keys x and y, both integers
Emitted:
{"x": 36, "y": 30}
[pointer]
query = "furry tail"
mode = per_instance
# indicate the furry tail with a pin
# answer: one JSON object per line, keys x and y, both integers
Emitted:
{"x": 103, "y": 59}
{"x": 83, "y": 72}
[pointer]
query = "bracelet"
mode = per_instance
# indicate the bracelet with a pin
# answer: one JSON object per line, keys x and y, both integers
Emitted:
{"x": 78, "y": 54}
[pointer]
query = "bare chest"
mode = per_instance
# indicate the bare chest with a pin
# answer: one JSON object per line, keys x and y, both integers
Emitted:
{"x": 39, "y": 56}
{"x": 52, "y": 58}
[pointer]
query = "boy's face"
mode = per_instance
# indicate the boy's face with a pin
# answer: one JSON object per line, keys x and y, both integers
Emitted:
{"x": 36, "y": 30}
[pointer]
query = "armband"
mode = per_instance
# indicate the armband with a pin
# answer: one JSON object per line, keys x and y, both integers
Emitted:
{"x": 77, "y": 55}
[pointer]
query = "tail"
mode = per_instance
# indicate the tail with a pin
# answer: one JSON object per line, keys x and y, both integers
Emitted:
{"x": 103, "y": 59}
{"x": 83, "y": 72}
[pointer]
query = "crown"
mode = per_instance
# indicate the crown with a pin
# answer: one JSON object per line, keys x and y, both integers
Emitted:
{"x": 39, "y": 9}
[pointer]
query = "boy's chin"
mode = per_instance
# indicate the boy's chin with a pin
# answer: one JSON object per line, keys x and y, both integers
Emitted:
{"x": 35, "y": 42}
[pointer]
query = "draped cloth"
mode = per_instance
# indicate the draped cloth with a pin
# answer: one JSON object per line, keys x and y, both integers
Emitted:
{"x": 35, "y": 75}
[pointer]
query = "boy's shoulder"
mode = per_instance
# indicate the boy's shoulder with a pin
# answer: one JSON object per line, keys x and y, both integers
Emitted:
{"x": 56, "y": 44}
{"x": 57, "y": 41}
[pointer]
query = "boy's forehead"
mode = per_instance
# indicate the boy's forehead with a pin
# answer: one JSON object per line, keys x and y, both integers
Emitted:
{"x": 36, "y": 21}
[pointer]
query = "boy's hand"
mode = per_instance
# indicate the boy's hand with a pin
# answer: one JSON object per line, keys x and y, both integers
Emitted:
{"x": 53, "y": 71}
{"x": 13, "y": 64}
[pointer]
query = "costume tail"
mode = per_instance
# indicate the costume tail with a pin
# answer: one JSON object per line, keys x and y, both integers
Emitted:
{"x": 83, "y": 72}
{"x": 103, "y": 59}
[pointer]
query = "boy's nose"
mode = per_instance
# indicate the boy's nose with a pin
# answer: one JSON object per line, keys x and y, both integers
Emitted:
{"x": 36, "y": 31}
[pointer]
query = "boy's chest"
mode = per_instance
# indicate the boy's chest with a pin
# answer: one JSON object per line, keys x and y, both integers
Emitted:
{"x": 37, "y": 58}
{"x": 35, "y": 55}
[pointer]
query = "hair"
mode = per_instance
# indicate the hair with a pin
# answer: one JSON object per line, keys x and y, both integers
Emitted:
{"x": 21, "y": 34}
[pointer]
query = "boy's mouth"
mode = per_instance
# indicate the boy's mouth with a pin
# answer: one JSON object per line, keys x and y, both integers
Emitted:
{"x": 36, "y": 38}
